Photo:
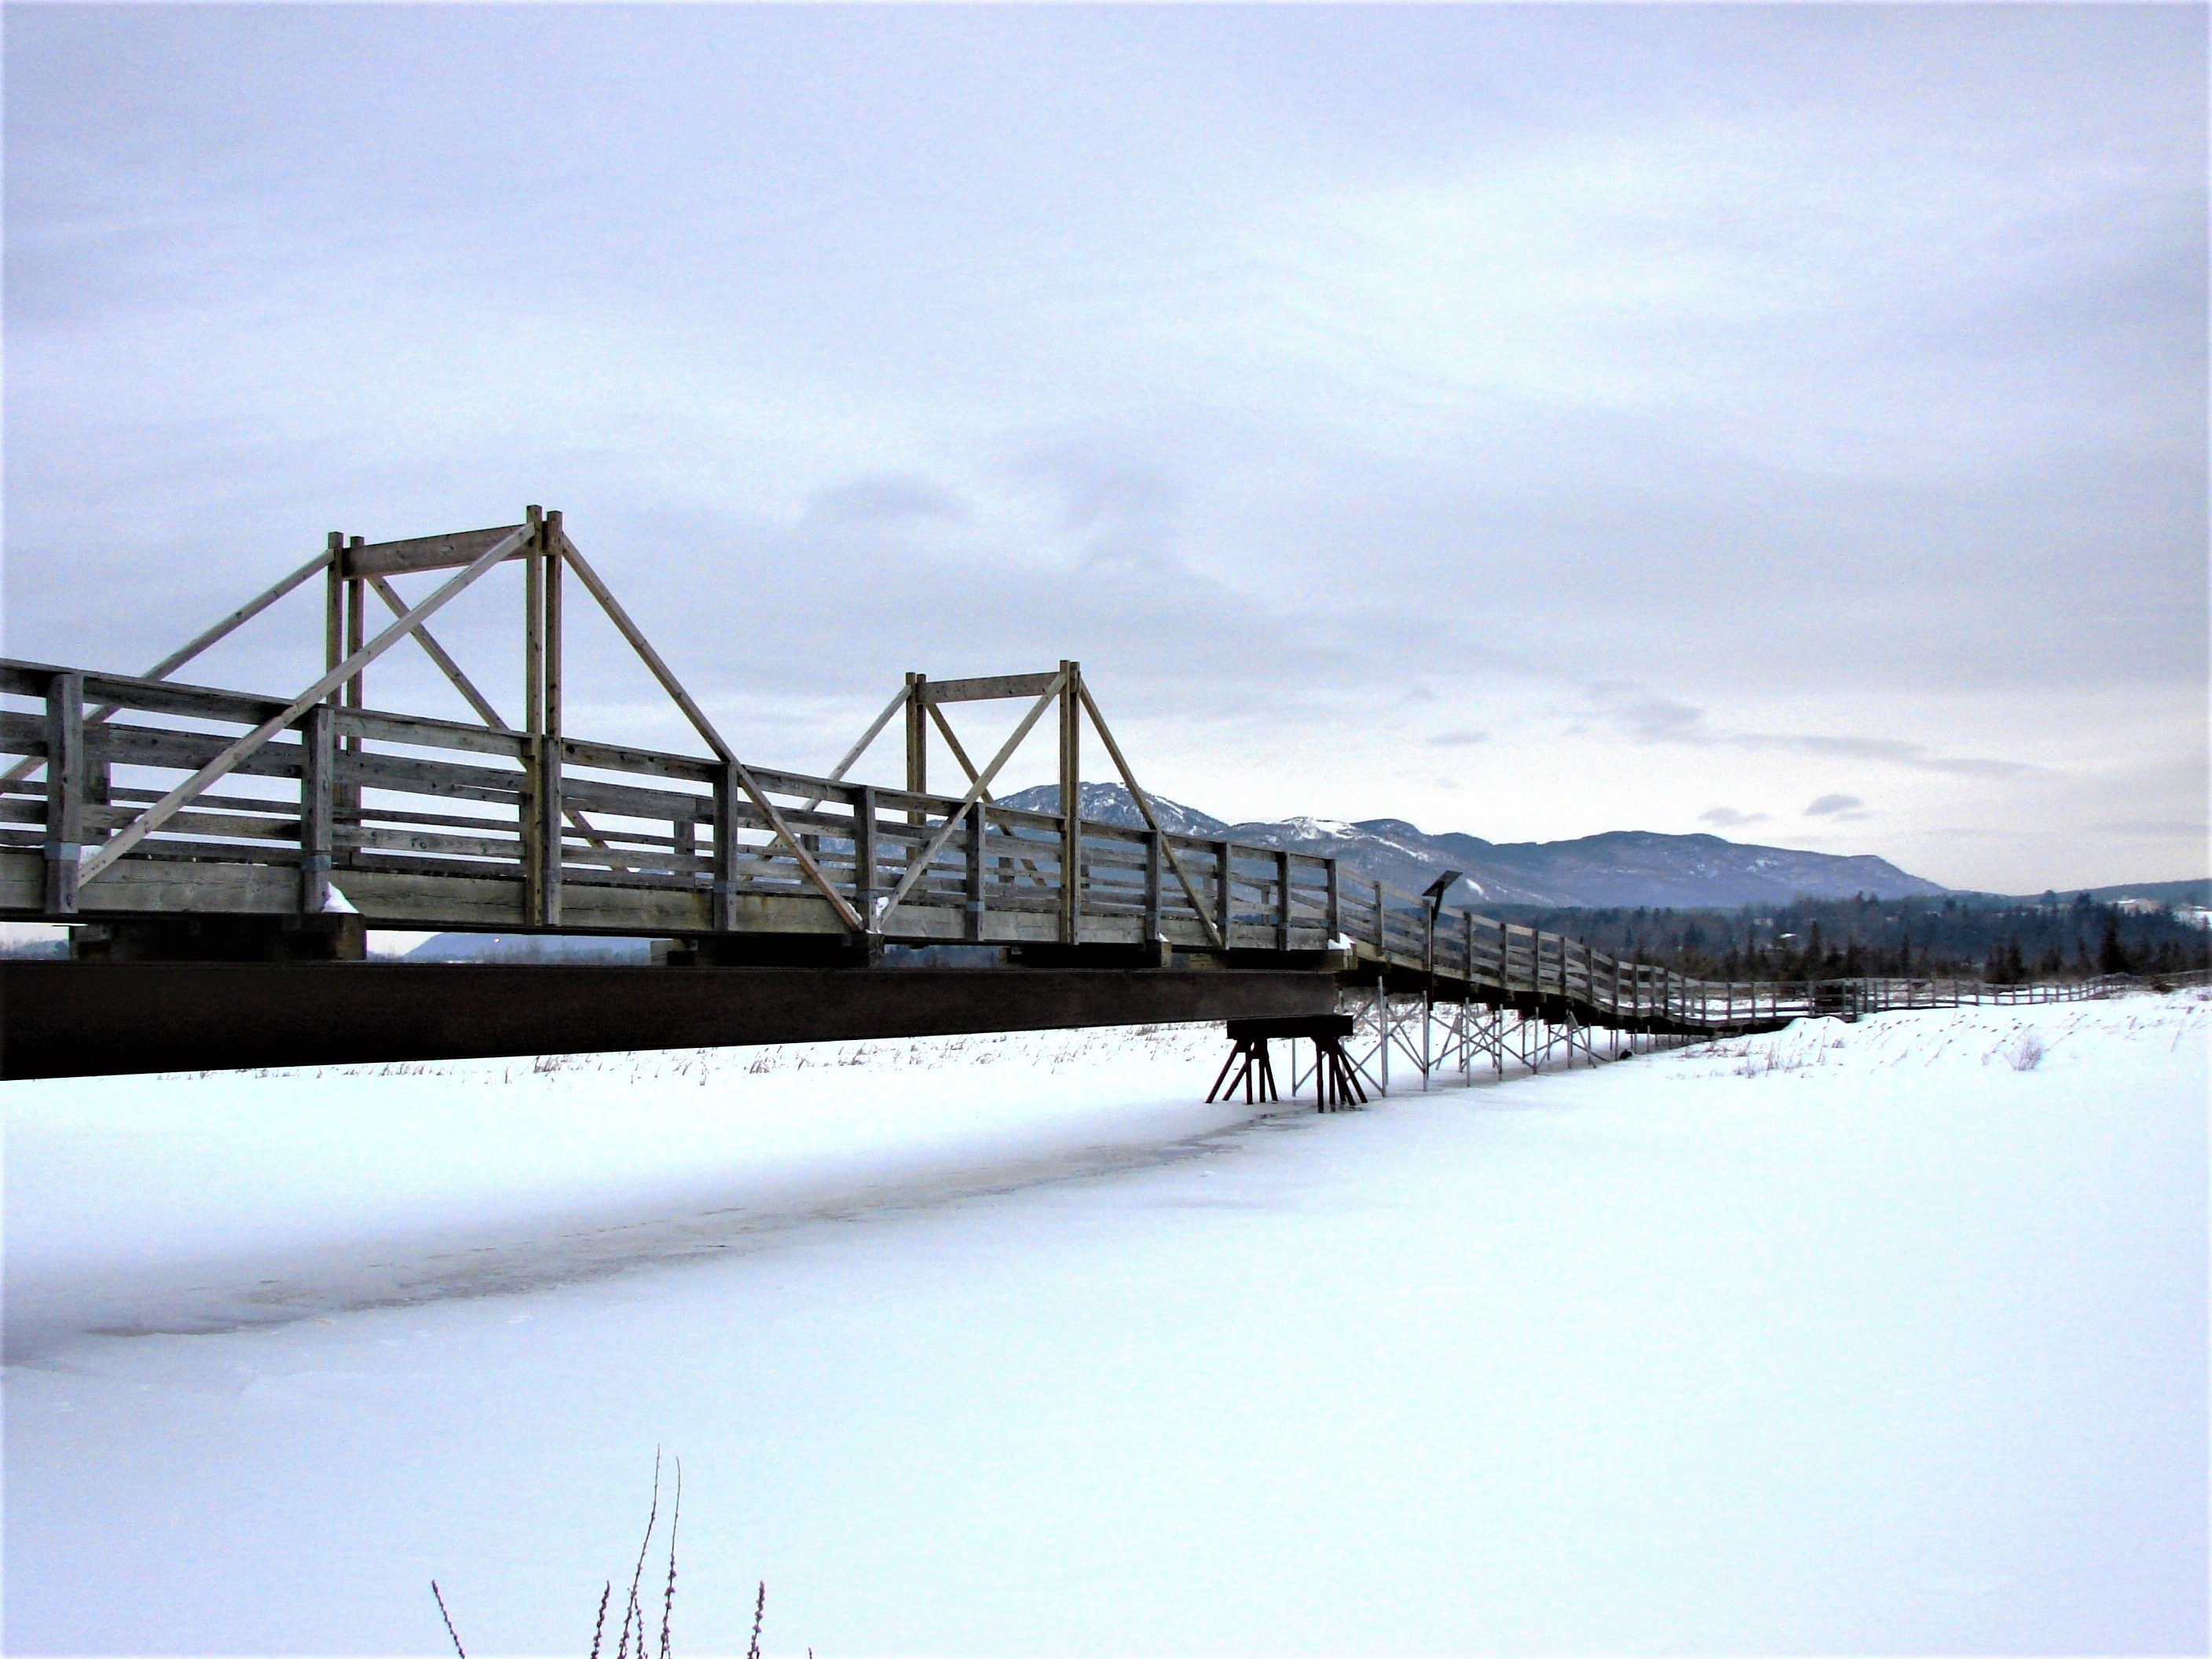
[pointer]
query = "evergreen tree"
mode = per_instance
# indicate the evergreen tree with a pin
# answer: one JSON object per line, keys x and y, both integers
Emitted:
{"x": 2111, "y": 955}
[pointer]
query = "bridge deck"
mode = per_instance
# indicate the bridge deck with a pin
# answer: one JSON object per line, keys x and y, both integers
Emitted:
{"x": 428, "y": 825}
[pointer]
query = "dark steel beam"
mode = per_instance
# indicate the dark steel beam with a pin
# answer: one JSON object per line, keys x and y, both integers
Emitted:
{"x": 88, "y": 1019}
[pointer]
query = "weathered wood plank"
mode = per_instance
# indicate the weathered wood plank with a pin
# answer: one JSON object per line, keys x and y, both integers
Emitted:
{"x": 421, "y": 732}
{"x": 190, "y": 702}
{"x": 403, "y": 775}
{"x": 989, "y": 688}
{"x": 445, "y": 552}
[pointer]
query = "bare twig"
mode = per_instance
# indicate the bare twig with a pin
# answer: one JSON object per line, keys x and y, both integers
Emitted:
{"x": 668, "y": 1597}
{"x": 448, "y": 1617}
{"x": 760, "y": 1607}
{"x": 631, "y": 1611}
{"x": 599, "y": 1629}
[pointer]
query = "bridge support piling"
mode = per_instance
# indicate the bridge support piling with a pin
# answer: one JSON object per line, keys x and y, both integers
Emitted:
{"x": 1336, "y": 1077}
{"x": 1382, "y": 1032}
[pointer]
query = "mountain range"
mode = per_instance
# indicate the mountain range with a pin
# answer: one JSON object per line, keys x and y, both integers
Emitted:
{"x": 1621, "y": 867}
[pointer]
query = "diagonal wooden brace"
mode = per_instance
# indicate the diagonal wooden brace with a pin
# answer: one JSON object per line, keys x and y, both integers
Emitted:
{"x": 976, "y": 793}
{"x": 705, "y": 727}
{"x": 171, "y": 804}
{"x": 1144, "y": 806}
{"x": 183, "y": 653}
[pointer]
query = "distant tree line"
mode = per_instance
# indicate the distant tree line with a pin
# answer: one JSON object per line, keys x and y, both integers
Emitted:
{"x": 2004, "y": 942}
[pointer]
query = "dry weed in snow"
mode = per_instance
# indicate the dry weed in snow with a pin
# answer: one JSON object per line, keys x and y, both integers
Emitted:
{"x": 1989, "y": 1036}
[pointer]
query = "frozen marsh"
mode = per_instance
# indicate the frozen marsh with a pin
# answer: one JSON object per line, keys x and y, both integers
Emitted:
{"x": 1854, "y": 1339}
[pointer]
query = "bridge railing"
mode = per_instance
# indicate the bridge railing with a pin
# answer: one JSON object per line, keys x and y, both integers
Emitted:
{"x": 423, "y": 823}
{"x": 426, "y": 823}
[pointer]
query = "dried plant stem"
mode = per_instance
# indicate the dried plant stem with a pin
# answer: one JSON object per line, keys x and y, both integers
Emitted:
{"x": 631, "y": 1611}
{"x": 668, "y": 1596}
{"x": 440, "y": 1596}
{"x": 760, "y": 1607}
{"x": 599, "y": 1629}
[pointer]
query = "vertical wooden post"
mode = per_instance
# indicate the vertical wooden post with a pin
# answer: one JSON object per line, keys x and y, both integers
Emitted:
{"x": 334, "y": 607}
{"x": 533, "y": 624}
{"x": 356, "y": 634}
{"x": 1470, "y": 916}
{"x": 554, "y": 566}
{"x": 1283, "y": 900}
{"x": 1071, "y": 802}
{"x": 864, "y": 855}
{"x": 973, "y": 929}
{"x": 917, "y": 759}
{"x": 65, "y": 840}
{"x": 1152, "y": 871}
{"x": 553, "y": 811}
{"x": 1221, "y": 885}
{"x": 346, "y": 802}
{"x": 917, "y": 742}
{"x": 318, "y": 768}
{"x": 1335, "y": 901}
{"x": 1382, "y": 933}
{"x": 723, "y": 887}
{"x": 531, "y": 819}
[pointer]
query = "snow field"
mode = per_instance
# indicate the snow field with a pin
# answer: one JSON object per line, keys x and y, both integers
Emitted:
{"x": 1850, "y": 1339}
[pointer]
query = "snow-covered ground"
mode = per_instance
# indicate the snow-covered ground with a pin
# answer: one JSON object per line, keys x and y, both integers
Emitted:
{"x": 1866, "y": 1339}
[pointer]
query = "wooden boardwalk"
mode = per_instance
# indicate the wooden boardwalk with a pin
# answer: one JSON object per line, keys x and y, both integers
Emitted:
{"x": 182, "y": 821}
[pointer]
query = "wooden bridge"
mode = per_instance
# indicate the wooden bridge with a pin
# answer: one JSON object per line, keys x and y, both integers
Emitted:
{"x": 220, "y": 856}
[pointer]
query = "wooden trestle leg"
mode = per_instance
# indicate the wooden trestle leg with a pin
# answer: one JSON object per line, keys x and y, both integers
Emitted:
{"x": 1336, "y": 1078}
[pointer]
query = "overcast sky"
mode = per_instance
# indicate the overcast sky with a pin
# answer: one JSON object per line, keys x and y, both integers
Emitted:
{"x": 1785, "y": 423}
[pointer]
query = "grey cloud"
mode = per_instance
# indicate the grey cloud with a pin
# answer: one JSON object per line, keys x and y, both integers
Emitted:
{"x": 1464, "y": 737}
{"x": 886, "y": 498}
{"x": 1895, "y": 751}
{"x": 1843, "y": 806}
{"x": 1663, "y": 720}
{"x": 1122, "y": 514}
{"x": 1712, "y": 343}
{"x": 1726, "y": 817}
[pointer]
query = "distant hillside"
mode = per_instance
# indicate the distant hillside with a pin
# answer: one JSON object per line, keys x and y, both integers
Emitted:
{"x": 2151, "y": 892}
{"x": 1619, "y": 867}
{"x": 1109, "y": 803}
{"x": 2004, "y": 940}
